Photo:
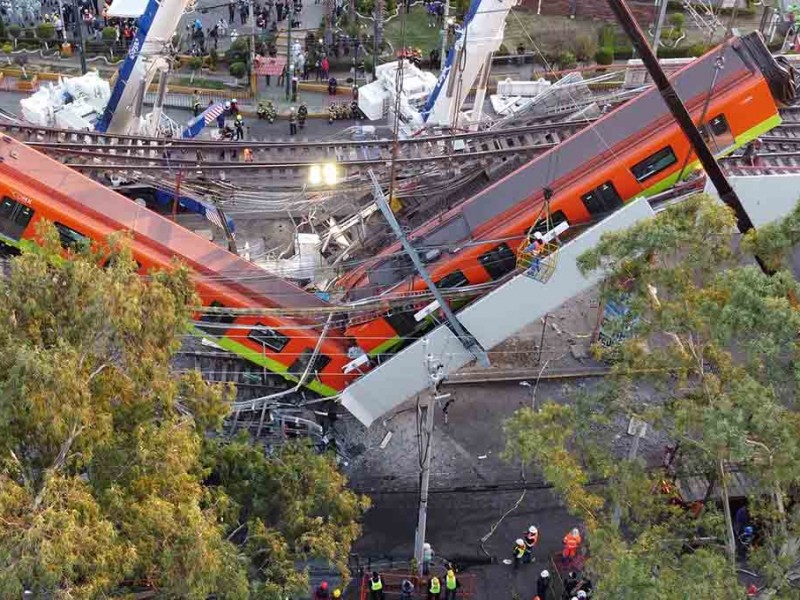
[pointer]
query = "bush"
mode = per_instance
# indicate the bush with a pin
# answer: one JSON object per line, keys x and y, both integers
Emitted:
{"x": 567, "y": 60}
{"x": 238, "y": 69}
{"x": 697, "y": 49}
{"x": 45, "y": 31}
{"x": 8, "y": 48}
{"x": 213, "y": 59}
{"x": 196, "y": 62}
{"x": 502, "y": 50}
{"x": 585, "y": 47}
{"x": 110, "y": 34}
{"x": 607, "y": 36}
{"x": 14, "y": 31}
{"x": 677, "y": 20}
{"x": 239, "y": 51}
{"x": 604, "y": 56}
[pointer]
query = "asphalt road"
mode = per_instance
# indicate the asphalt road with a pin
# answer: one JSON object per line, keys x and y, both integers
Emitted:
{"x": 472, "y": 488}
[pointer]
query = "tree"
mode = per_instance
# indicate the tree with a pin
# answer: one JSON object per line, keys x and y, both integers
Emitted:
{"x": 712, "y": 364}
{"x": 285, "y": 509}
{"x": 103, "y": 452}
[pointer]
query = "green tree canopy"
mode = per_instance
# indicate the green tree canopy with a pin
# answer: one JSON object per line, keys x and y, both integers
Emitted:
{"x": 105, "y": 468}
{"x": 711, "y": 362}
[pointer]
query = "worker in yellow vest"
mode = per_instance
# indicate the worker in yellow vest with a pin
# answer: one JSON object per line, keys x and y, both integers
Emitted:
{"x": 376, "y": 587}
{"x": 450, "y": 584}
{"x": 434, "y": 588}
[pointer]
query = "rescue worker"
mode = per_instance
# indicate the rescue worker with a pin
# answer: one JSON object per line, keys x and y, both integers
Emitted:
{"x": 302, "y": 114}
{"x": 239, "y": 125}
{"x": 196, "y": 103}
{"x": 375, "y": 587}
{"x": 322, "y": 592}
{"x": 531, "y": 538}
{"x": 434, "y": 588}
{"x": 221, "y": 120}
{"x": 543, "y": 585}
{"x": 331, "y": 113}
{"x": 519, "y": 552}
{"x": 234, "y": 107}
{"x": 451, "y": 584}
{"x": 572, "y": 541}
{"x": 406, "y": 590}
{"x": 571, "y": 584}
{"x": 292, "y": 121}
{"x": 427, "y": 557}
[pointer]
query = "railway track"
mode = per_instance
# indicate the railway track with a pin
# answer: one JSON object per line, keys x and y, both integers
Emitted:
{"x": 283, "y": 164}
{"x": 271, "y": 421}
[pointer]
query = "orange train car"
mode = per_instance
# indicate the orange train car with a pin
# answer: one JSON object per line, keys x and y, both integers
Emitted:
{"x": 34, "y": 186}
{"x": 636, "y": 150}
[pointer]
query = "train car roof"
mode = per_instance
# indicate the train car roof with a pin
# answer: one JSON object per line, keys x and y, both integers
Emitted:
{"x": 41, "y": 172}
{"x": 569, "y": 157}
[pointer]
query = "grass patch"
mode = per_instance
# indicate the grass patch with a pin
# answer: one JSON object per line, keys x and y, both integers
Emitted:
{"x": 418, "y": 34}
{"x": 199, "y": 82}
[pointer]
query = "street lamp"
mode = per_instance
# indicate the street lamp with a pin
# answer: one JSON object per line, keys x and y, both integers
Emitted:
{"x": 324, "y": 174}
{"x": 531, "y": 391}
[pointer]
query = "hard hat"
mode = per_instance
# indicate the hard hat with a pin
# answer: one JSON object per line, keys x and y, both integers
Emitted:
{"x": 575, "y": 531}
{"x": 537, "y": 235}
{"x": 227, "y": 105}
{"x": 545, "y": 573}
{"x": 581, "y": 594}
{"x": 520, "y": 542}
{"x": 239, "y": 118}
{"x": 234, "y": 100}
{"x": 426, "y": 546}
{"x": 451, "y": 573}
{"x": 324, "y": 585}
{"x": 748, "y": 530}
{"x": 337, "y": 593}
{"x": 532, "y": 529}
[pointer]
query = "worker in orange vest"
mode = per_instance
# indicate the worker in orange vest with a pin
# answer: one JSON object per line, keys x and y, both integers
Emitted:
{"x": 572, "y": 541}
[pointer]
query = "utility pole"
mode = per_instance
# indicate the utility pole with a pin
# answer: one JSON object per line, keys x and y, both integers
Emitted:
{"x": 289, "y": 61}
{"x": 377, "y": 34}
{"x": 436, "y": 373}
{"x": 662, "y": 14}
{"x": 467, "y": 339}
{"x": 253, "y": 78}
{"x": 445, "y": 26}
{"x": 682, "y": 116}
{"x": 78, "y": 22}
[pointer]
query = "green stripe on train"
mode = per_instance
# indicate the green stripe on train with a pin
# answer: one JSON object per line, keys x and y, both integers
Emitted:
{"x": 745, "y": 138}
{"x": 264, "y": 361}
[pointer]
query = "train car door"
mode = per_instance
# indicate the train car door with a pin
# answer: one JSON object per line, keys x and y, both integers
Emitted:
{"x": 602, "y": 200}
{"x": 14, "y": 218}
{"x": 717, "y": 134}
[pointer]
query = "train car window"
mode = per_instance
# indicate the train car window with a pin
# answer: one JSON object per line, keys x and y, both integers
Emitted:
{"x": 402, "y": 322}
{"x": 215, "y": 321}
{"x": 454, "y": 279}
{"x": 69, "y": 237}
{"x": 274, "y": 340}
{"x": 14, "y": 218}
{"x": 544, "y": 225}
{"x": 498, "y": 261}
{"x": 112, "y": 260}
{"x": 653, "y": 164}
{"x": 602, "y": 200}
{"x": 299, "y": 366}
